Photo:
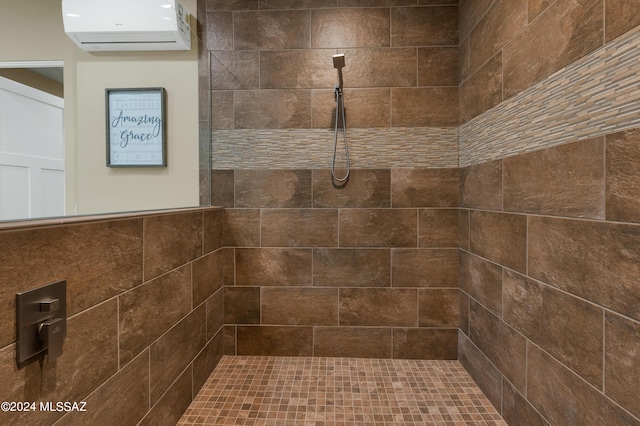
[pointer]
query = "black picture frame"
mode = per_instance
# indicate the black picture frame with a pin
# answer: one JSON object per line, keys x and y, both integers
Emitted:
{"x": 136, "y": 127}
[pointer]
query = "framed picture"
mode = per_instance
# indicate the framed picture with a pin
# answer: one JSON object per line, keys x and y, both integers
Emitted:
{"x": 136, "y": 127}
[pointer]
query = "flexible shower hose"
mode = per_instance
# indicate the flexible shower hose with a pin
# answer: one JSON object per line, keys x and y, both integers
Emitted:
{"x": 340, "y": 109}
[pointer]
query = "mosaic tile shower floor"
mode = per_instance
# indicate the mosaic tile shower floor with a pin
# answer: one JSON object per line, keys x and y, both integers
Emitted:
{"x": 246, "y": 390}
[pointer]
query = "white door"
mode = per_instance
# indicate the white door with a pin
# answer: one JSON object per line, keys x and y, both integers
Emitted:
{"x": 31, "y": 152}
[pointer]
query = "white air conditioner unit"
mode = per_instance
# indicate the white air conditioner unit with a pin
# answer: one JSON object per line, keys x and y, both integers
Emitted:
{"x": 119, "y": 25}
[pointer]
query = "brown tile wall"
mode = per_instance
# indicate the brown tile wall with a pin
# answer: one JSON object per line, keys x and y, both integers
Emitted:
{"x": 544, "y": 282}
{"x": 271, "y": 63}
{"x": 506, "y": 46}
{"x": 550, "y": 305}
{"x": 144, "y": 303}
{"x": 368, "y": 270}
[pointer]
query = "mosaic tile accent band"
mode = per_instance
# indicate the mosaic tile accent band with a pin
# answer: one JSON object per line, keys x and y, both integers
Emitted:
{"x": 239, "y": 149}
{"x": 595, "y": 95}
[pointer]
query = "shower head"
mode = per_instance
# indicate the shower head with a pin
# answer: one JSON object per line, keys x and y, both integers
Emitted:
{"x": 338, "y": 63}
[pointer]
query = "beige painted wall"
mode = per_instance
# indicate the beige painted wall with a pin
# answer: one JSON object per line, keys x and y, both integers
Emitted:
{"x": 37, "y": 29}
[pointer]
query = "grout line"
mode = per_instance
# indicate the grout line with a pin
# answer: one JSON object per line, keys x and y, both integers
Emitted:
{"x": 604, "y": 180}
{"x": 118, "y": 330}
{"x": 526, "y": 367}
{"x": 149, "y": 371}
{"x": 604, "y": 351}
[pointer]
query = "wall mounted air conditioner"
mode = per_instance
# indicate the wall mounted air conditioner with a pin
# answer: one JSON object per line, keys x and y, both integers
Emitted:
{"x": 119, "y": 25}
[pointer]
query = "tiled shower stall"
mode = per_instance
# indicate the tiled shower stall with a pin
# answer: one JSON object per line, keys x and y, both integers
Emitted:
{"x": 491, "y": 217}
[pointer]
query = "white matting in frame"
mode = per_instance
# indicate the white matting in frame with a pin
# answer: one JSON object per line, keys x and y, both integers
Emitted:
{"x": 136, "y": 130}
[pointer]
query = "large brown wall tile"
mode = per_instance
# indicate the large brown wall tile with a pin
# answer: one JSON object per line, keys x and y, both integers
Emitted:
{"x": 596, "y": 261}
{"x": 219, "y": 30}
{"x": 175, "y": 350}
{"x": 351, "y": 268}
{"x": 620, "y": 17}
{"x": 207, "y": 360}
{"x": 517, "y": 410}
{"x": 378, "y": 228}
{"x": 221, "y": 118}
{"x": 242, "y": 305}
{"x": 483, "y": 372}
{"x": 481, "y": 186}
{"x": 500, "y": 237}
{"x": 425, "y": 343}
{"x": 229, "y": 339}
{"x": 207, "y": 276}
{"x": 273, "y": 188}
{"x": 357, "y": 342}
{"x": 378, "y": 307}
{"x": 123, "y": 399}
{"x": 272, "y": 109}
{"x": 297, "y": 4}
{"x": 463, "y": 61}
{"x": 89, "y": 355}
{"x": 215, "y": 313}
{"x": 296, "y": 69}
{"x": 424, "y": 267}
{"x": 438, "y": 66}
{"x": 422, "y": 2}
{"x": 482, "y": 280}
{"x": 536, "y": 7}
{"x": 563, "y": 33}
{"x": 227, "y": 256}
{"x": 623, "y": 173}
{"x": 463, "y": 312}
{"x": 566, "y": 180}
{"x": 362, "y": 108}
{"x": 424, "y": 107}
{"x": 463, "y": 229}
{"x": 418, "y": 187}
{"x": 273, "y": 267}
{"x": 241, "y": 227}
{"x": 471, "y": 11}
{"x": 271, "y": 30}
{"x": 300, "y": 306}
{"x": 563, "y": 398}
{"x": 622, "y": 361}
{"x": 222, "y": 192}
{"x": 299, "y": 228}
{"x": 169, "y": 409}
{"x": 140, "y": 323}
{"x": 98, "y": 260}
{"x": 501, "y": 23}
{"x": 350, "y": 28}
{"x": 505, "y": 347}
{"x": 232, "y": 4}
{"x": 22, "y": 384}
{"x": 275, "y": 341}
{"x": 567, "y": 327}
{"x": 424, "y": 26}
{"x": 438, "y": 228}
{"x": 438, "y": 307}
{"x": 482, "y": 90}
{"x": 366, "y": 189}
{"x": 212, "y": 230}
{"x": 235, "y": 70}
{"x": 171, "y": 241}
{"x": 379, "y": 68}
